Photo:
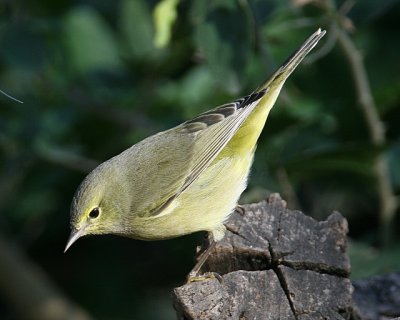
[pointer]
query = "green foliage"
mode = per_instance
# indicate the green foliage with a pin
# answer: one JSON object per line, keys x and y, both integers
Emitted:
{"x": 164, "y": 15}
{"x": 98, "y": 76}
{"x": 367, "y": 261}
{"x": 90, "y": 41}
{"x": 137, "y": 28}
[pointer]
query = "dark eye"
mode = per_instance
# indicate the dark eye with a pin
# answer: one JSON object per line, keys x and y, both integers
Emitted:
{"x": 94, "y": 213}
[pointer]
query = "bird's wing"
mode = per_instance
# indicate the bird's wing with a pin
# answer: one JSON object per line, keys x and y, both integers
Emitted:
{"x": 211, "y": 131}
{"x": 174, "y": 159}
{"x": 220, "y": 126}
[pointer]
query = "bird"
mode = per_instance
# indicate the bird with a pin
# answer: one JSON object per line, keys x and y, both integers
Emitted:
{"x": 182, "y": 180}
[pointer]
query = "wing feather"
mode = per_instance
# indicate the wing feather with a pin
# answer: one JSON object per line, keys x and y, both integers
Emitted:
{"x": 213, "y": 130}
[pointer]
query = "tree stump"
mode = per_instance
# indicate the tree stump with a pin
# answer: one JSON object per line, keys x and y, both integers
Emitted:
{"x": 275, "y": 263}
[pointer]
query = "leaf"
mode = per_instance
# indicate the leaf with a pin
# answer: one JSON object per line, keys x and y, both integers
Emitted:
{"x": 137, "y": 27}
{"x": 352, "y": 159}
{"x": 218, "y": 55}
{"x": 192, "y": 94}
{"x": 36, "y": 204}
{"x": 164, "y": 16}
{"x": 225, "y": 40}
{"x": 90, "y": 41}
{"x": 196, "y": 89}
{"x": 367, "y": 261}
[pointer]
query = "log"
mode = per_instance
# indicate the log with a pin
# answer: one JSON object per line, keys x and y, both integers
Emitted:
{"x": 274, "y": 263}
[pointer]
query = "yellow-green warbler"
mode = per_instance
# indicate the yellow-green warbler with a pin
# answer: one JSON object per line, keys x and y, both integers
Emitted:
{"x": 182, "y": 180}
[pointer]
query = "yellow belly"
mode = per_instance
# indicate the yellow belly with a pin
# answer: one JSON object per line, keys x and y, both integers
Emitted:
{"x": 206, "y": 204}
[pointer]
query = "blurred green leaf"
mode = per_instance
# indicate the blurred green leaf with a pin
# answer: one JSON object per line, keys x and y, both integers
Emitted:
{"x": 367, "y": 261}
{"x": 218, "y": 54}
{"x": 36, "y": 204}
{"x": 195, "y": 89}
{"x": 310, "y": 112}
{"x": 352, "y": 159}
{"x": 192, "y": 95}
{"x": 226, "y": 44}
{"x": 198, "y": 11}
{"x": 388, "y": 97}
{"x": 164, "y": 15}
{"x": 90, "y": 41}
{"x": 136, "y": 26}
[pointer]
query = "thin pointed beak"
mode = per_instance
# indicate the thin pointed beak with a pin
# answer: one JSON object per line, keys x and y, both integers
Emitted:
{"x": 75, "y": 235}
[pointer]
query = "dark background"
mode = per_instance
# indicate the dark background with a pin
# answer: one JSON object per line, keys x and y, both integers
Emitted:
{"x": 97, "y": 76}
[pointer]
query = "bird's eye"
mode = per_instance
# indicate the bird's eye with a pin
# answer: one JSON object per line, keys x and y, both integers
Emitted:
{"x": 94, "y": 213}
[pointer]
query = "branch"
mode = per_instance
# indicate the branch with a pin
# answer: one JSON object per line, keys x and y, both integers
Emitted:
{"x": 66, "y": 159}
{"x": 387, "y": 197}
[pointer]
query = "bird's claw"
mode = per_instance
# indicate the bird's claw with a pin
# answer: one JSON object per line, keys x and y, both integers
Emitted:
{"x": 194, "y": 277}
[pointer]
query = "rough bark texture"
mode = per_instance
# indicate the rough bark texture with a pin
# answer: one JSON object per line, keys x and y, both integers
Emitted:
{"x": 275, "y": 263}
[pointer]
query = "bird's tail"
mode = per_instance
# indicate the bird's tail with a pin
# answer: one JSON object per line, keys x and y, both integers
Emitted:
{"x": 246, "y": 137}
{"x": 293, "y": 61}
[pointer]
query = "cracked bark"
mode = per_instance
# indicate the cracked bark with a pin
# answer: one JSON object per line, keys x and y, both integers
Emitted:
{"x": 276, "y": 264}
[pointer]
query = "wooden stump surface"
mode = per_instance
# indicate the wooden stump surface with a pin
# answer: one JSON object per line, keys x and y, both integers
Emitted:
{"x": 275, "y": 263}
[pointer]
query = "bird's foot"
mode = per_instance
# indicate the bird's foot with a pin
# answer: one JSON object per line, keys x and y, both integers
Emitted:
{"x": 194, "y": 277}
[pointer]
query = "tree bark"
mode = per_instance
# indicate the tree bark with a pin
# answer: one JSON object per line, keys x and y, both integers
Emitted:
{"x": 274, "y": 263}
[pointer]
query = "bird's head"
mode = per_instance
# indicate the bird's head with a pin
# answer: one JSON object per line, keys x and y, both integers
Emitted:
{"x": 97, "y": 206}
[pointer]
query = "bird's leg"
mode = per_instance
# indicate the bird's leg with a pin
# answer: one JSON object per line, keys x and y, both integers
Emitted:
{"x": 194, "y": 274}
